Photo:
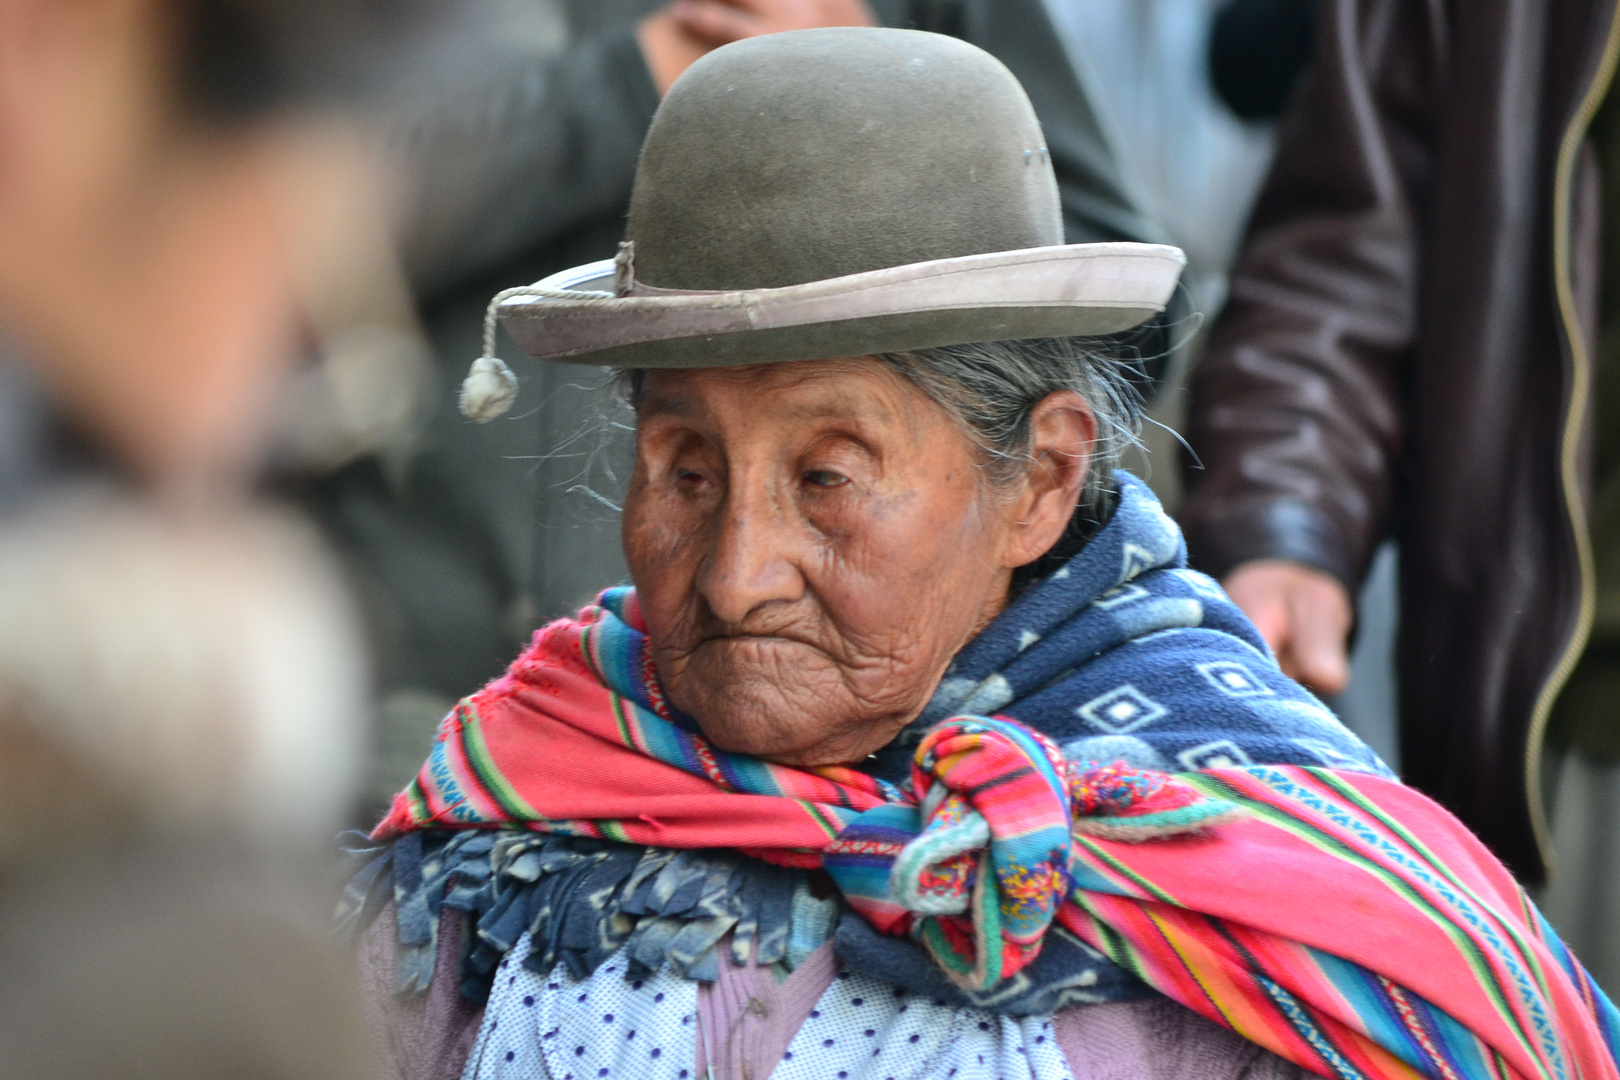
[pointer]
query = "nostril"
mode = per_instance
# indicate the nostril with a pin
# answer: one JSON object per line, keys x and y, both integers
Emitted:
{"x": 733, "y": 593}
{"x": 751, "y": 563}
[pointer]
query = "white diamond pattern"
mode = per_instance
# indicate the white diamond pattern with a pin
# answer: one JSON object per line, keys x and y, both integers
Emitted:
{"x": 1233, "y": 679}
{"x": 1120, "y": 595}
{"x": 1124, "y": 708}
{"x": 1221, "y": 754}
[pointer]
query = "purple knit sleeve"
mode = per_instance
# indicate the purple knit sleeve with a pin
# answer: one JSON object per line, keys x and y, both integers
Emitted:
{"x": 426, "y": 1037}
{"x": 1160, "y": 1040}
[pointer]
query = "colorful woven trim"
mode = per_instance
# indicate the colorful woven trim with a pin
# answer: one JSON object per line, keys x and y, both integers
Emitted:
{"x": 978, "y": 868}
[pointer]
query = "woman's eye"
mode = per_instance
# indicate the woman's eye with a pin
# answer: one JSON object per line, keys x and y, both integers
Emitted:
{"x": 824, "y": 478}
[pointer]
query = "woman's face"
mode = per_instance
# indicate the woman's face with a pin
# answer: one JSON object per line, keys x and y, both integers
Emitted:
{"x": 812, "y": 543}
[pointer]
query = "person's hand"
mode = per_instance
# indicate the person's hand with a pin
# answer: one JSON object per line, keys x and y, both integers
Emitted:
{"x": 720, "y": 22}
{"x": 1304, "y": 615}
{"x": 674, "y": 37}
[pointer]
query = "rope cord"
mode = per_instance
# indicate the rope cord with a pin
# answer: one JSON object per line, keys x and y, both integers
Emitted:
{"x": 545, "y": 291}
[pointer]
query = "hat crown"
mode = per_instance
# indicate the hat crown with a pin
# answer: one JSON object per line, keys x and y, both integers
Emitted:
{"x": 813, "y": 154}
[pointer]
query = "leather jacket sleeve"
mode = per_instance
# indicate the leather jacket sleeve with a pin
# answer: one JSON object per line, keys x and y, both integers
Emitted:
{"x": 1296, "y": 413}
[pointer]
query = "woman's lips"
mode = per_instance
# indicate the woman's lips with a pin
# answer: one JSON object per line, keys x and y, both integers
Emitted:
{"x": 759, "y": 642}
{"x": 755, "y": 639}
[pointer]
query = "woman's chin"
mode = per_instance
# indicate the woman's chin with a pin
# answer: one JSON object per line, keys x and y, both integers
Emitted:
{"x": 804, "y": 741}
{"x": 769, "y": 733}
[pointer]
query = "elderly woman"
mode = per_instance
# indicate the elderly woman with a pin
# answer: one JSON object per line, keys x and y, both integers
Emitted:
{"x": 915, "y": 751}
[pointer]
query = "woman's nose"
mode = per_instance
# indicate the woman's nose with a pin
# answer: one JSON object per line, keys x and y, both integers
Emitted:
{"x": 752, "y": 559}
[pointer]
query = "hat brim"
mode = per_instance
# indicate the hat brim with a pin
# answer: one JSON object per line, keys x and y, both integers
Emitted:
{"x": 1062, "y": 291}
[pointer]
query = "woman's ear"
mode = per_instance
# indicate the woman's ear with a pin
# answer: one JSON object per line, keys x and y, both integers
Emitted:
{"x": 1062, "y": 433}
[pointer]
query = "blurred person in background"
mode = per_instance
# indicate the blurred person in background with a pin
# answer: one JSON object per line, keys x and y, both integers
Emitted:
{"x": 1420, "y": 344}
{"x": 184, "y": 207}
{"x": 1188, "y": 92}
{"x": 461, "y": 539}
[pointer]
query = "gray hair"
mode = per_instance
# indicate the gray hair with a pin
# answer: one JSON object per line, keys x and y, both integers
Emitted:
{"x": 990, "y": 389}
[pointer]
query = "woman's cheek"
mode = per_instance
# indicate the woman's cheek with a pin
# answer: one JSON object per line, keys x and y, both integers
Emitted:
{"x": 660, "y": 530}
{"x": 834, "y": 520}
{"x": 870, "y": 550}
{"x": 897, "y": 536}
{"x": 855, "y": 515}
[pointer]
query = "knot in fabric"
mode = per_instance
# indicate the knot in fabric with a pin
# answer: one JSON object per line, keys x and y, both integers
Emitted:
{"x": 990, "y": 867}
{"x": 1112, "y": 789}
{"x": 978, "y": 867}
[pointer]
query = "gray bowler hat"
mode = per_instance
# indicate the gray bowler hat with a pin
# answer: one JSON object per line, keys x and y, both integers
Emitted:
{"x": 838, "y": 192}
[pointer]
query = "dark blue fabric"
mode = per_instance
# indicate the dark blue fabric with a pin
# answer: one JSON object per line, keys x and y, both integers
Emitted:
{"x": 1067, "y": 972}
{"x": 1125, "y": 654}
{"x": 581, "y": 899}
{"x": 1121, "y": 654}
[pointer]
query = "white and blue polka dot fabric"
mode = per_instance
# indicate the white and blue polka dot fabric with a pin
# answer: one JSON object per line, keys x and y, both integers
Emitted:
{"x": 865, "y": 1029}
{"x": 556, "y": 1028}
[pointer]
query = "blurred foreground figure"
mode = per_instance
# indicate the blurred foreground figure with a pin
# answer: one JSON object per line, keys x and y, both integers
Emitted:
{"x": 164, "y": 673}
{"x": 1420, "y": 337}
{"x": 179, "y": 669}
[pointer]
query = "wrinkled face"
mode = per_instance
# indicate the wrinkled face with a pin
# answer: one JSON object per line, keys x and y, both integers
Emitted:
{"x": 811, "y": 544}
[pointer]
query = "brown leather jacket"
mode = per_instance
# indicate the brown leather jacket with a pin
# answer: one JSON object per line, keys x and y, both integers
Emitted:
{"x": 1407, "y": 352}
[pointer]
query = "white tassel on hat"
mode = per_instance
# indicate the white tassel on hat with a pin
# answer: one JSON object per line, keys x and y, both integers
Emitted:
{"x": 490, "y": 387}
{"x": 488, "y": 390}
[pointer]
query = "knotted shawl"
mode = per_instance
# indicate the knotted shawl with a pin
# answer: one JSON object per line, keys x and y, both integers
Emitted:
{"x": 1338, "y": 919}
{"x": 1329, "y": 914}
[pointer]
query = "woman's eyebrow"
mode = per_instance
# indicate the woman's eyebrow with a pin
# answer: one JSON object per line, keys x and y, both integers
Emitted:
{"x": 857, "y": 409}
